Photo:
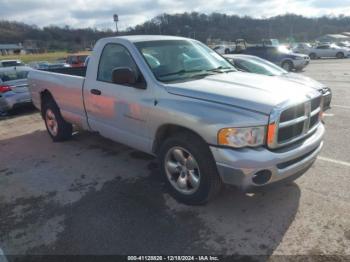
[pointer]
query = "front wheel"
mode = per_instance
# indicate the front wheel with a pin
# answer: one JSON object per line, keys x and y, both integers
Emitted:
{"x": 57, "y": 127}
{"x": 340, "y": 55}
{"x": 189, "y": 169}
{"x": 287, "y": 65}
{"x": 312, "y": 56}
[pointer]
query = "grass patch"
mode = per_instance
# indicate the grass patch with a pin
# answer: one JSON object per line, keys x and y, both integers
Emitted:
{"x": 37, "y": 57}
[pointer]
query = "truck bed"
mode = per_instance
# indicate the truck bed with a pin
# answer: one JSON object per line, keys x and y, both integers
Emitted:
{"x": 74, "y": 71}
{"x": 65, "y": 85}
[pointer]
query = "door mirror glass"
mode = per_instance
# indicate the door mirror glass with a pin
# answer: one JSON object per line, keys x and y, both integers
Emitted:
{"x": 124, "y": 76}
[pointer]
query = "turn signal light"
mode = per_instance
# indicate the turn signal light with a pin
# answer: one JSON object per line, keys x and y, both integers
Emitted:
{"x": 271, "y": 133}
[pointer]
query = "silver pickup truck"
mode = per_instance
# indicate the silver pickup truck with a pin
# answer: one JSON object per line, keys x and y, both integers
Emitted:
{"x": 177, "y": 99}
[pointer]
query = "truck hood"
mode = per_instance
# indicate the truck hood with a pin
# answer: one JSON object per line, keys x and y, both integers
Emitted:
{"x": 304, "y": 80}
{"x": 245, "y": 90}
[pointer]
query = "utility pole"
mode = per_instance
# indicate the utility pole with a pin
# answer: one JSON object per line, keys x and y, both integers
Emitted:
{"x": 116, "y": 20}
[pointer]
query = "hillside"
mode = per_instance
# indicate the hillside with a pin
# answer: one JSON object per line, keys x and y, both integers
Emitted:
{"x": 195, "y": 25}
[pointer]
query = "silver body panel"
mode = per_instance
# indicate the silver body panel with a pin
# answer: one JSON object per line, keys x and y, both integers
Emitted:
{"x": 133, "y": 116}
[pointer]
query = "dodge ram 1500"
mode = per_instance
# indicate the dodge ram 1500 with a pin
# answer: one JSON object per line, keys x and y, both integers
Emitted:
{"x": 177, "y": 99}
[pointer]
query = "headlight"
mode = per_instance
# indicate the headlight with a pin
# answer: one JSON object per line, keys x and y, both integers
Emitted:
{"x": 242, "y": 137}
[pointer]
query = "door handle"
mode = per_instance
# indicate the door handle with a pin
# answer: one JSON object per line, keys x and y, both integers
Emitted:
{"x": 95, "y": 92}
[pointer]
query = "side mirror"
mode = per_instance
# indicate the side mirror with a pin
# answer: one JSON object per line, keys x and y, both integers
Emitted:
{"x": 123, "y": 76}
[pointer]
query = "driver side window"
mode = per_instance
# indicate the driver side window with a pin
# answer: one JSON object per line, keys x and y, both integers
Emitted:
{"x": 115, "y": 56}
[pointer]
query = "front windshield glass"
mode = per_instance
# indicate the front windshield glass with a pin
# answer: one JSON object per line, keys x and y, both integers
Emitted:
{"x": 178, "y": 60}
{"x": 260, "y": 66}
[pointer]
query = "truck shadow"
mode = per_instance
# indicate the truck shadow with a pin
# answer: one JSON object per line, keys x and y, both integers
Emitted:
{"x": 112, "y": 201}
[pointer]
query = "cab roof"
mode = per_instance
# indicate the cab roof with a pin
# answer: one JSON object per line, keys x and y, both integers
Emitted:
{"x": 142, "y": 38}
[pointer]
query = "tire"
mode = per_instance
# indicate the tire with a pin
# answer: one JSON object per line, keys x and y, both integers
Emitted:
{"x": 227, "y": 51}
{"x": 340, "y": 55}
{"x": 208, "y": 180}
{"x": 313, "y": 56}
{"x": 58, "y": 129}
{"x": 287, "y": 65}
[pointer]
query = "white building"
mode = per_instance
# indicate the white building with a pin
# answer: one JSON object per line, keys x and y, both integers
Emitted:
{"x": 10, "y": 49}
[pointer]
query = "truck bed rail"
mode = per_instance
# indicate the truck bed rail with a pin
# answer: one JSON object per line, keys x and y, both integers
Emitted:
{"x": 74, "y": 71}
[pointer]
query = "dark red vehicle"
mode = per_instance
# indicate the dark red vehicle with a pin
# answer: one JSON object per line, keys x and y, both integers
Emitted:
{"x": 76, "y": 60}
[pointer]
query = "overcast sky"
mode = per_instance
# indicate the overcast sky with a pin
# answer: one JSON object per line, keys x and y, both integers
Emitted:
{"x": 98, "y": 13}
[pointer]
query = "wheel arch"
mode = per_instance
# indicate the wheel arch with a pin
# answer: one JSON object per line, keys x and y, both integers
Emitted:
{"x": 341, "y": 53}
{"x": 45, "y": 95}
{"x": 167, "y": 130}
{"x": 289, "y": 60}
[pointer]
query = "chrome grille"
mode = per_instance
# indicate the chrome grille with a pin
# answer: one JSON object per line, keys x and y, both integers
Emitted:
{"x": 295, "y": 122}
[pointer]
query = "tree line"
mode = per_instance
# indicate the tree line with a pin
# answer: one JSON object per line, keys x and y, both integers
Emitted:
{"x": 232, "y": 27}
{"x": 195, "y": 25}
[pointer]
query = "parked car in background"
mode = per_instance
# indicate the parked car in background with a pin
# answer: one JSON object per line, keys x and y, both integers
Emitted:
{"x": 38, "y": 64}
{"x": 58, "y": 65}
{"x": 280, "y": 56}
{"x": 302, "y": 48}
{"x": 223, "y": 49}
{"x": 11, "y": 63}
{"x": 254, "y": 64}
{"x": 77, "y": 60}
{"x": 14, "y": 88}
{"x": 344, "y": 45}
{"x": 270, "y": 42}
{"x": 323, "y": 50}
{"x": 45, "y": 65}
{"x": 179, "y": 100}
{"x": 330, "y": 50}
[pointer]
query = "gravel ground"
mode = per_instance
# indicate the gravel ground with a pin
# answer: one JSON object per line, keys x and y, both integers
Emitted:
{"x": 93, "y": 196}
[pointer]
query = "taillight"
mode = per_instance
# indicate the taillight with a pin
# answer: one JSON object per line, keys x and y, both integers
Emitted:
{"x": 4, "y": 89}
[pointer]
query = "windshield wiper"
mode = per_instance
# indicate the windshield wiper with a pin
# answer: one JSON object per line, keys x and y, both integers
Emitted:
{"x": 181, "y": 72}
{"x": 221, "y": 68}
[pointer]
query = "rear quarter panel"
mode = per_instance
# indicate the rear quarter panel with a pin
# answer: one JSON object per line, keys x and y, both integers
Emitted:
{"x": 65, "y": 89}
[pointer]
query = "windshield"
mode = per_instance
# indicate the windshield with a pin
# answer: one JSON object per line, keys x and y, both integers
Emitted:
{"x": 258, "y": 66}
{"x": 174, "y": 60}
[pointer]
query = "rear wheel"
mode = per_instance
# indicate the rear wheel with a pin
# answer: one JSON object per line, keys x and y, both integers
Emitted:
{"x": 189, "y": 169}
{"x": 227, "y": 51}
{"x": 287, "y": 65}
{"x": 56, "y": 126}
{"x": 312, "y": 56}
{"x": 340, "y": 55}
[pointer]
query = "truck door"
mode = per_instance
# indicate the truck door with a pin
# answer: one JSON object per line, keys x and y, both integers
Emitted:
{"x": 116, "y": 111}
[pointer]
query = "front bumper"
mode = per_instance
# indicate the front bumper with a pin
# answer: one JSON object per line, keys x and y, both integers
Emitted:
{"x": 10, "y": 100}
{"x": 300, "y": 64}
{"x": 239, "y": 166}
